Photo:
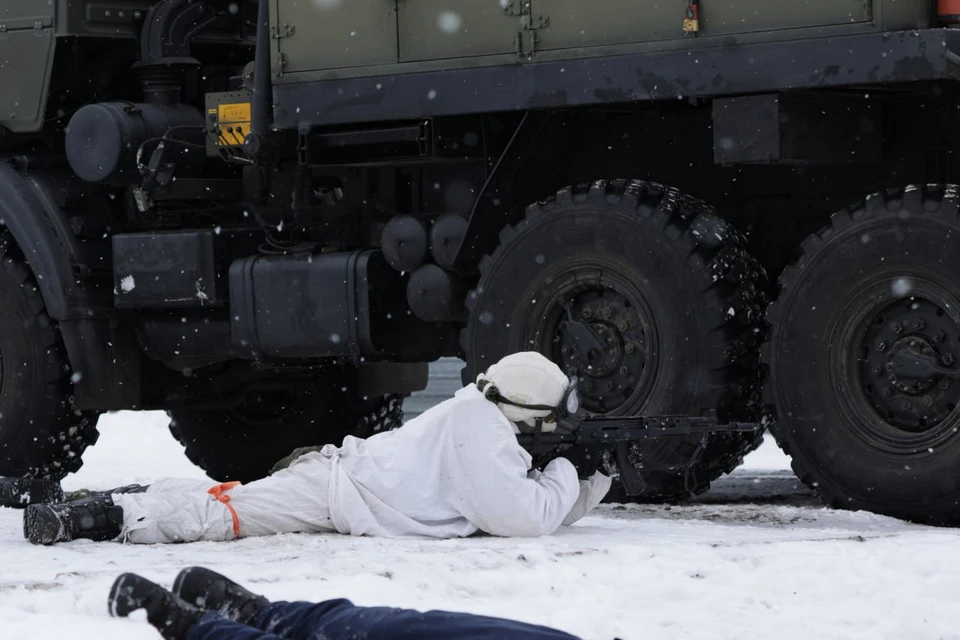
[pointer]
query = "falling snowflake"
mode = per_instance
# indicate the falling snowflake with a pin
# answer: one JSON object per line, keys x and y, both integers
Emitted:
{"x": 901, "y": 287}
{"x": 449, "y": 21}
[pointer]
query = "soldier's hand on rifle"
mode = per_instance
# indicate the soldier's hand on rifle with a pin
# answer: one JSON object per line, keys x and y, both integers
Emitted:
{"x": 586, "y": 459}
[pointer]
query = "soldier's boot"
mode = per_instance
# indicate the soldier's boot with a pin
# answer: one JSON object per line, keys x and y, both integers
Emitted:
{"x": 206, "y": 589}
{"x": 170, "y": 615}
{"x": 94, "y": 519}
{"x": 17, "y": 493}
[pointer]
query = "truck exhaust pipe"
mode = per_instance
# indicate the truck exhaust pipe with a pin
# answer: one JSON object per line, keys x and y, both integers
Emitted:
{"x": 259, "y": 142}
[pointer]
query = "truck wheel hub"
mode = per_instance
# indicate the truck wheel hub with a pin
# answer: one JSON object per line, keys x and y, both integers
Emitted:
{"x": 601, "y": 362}
{"x": 602, "y": 336}
{"x": 907, "y": 348}
{"x": 907, "y": 355}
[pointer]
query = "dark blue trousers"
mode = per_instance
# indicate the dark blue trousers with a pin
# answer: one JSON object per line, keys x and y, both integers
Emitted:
{"x": 341, "y": 620}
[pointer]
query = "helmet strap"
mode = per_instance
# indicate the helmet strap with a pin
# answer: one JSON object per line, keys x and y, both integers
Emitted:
{"x": 492, "y": 393}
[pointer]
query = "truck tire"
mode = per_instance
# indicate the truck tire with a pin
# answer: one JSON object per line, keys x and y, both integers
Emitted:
{"x": 244, "y": 443}
{"x": 873, "y": 295}
{"x": 665, "y": 283}
{"x": 41, "y": 434}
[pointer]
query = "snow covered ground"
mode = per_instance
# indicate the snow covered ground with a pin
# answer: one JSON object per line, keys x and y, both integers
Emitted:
{"x": 722, "y": 568}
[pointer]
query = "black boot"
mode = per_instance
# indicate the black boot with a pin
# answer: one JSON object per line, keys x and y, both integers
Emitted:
{"x": 170, "y": 615}
{"x": 211, "y": 591}
{"x": 17, "y": 493}
{"x": 94, "y": 519}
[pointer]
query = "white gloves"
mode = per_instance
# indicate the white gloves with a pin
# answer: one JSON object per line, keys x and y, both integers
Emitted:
{"x": 592, "y": 491}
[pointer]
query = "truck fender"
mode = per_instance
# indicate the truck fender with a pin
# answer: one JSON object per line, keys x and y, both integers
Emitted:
{"x": 535, "y": 140}
{"x": 100, "y": 352}
{"x": 41, "y": 230}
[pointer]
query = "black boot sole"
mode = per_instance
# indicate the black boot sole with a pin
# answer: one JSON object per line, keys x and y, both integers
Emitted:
{"x": 126, "y": 595}
{"x": 177, "y": 588}
{"x": 172, "y": 617}
{"x": 209, "y": 590}
{"x": 43, "y": 525}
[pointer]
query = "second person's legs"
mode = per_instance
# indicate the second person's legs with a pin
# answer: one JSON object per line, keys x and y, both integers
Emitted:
{"x": 213, "y": 626}
{"x": 342, "y": 619}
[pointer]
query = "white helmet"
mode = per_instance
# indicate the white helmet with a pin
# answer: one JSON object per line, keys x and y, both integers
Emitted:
{"x": 528, "y": 388}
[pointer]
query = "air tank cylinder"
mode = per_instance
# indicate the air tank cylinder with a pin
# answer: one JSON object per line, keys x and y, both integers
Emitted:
{"x": 435, "y": 295}
{"x": 404, "y": 243}
{"x": 446, "y": 234}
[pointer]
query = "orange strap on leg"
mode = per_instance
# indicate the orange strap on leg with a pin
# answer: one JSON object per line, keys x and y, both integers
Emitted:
{"x": 220, "y": 493}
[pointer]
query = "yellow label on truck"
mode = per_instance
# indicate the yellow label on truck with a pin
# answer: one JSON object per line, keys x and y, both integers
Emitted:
{"x": 238, "y": 113}
{"x": 233, "y": 121}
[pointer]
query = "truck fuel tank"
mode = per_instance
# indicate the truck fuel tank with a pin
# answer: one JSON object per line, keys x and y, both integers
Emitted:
{"x": 325, "y": 305}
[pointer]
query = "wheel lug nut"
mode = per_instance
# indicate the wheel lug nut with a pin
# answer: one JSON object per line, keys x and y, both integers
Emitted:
{"x": 948, "y": 358}
{"x": 605, "y": 313}
{"x": 609, "y": 385}
{"x": 887, "y": 392}
{"x": 881, "y": 346}
{"x": 905, "y": 405}
{"x": 897, "y": 328}
{"x": 889, "y": 366}
{"x": 878, "y": 371}
{"x": 938, "y": 338}
{"x": 622, "y": 325}
{"x": 629, "y": 348}
{"x": 944, "y": 383}
{"x": 587, "y": 312}
{"x": 919, "y": 324}
{"x": 624, "y": 371}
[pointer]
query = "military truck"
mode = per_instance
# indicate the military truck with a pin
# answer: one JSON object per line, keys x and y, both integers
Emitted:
{"x": 267, "y": 218}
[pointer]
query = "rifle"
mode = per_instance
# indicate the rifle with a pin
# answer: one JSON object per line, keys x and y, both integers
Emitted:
{"x": 618, "y": 435}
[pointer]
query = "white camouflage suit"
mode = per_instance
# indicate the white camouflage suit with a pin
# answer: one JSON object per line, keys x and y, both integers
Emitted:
{"x": 450, "y": 472}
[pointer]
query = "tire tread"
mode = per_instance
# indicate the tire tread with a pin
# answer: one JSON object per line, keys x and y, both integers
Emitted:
{"x": 61, "y": 433}
{"x": 932, "y": 200}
